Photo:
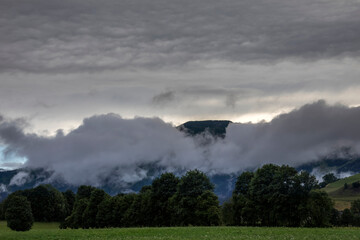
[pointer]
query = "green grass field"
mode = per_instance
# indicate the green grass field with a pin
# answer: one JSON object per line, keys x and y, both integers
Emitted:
{"x": 50, "y": 231}
{"x": 343, "y": 197}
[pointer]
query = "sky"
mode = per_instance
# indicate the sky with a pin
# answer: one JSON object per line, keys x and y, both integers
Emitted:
{"x": 246, "y": 61}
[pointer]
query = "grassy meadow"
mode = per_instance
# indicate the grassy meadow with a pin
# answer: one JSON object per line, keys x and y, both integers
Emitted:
{"x": 50, "y": 231}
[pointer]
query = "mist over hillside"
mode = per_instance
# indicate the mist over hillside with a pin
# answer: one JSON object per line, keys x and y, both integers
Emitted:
{"x": 116, "y": 153}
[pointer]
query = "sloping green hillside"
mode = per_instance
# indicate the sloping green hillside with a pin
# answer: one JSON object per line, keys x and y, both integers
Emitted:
{"x": 343, "y": 195}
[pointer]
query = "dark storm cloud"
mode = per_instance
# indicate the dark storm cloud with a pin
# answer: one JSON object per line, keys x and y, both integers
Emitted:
{"x": 110, "y": 148}
{"x": 75, "y": 36}
{"x": 11, "y": 131}
{"x": 163, "y": 98}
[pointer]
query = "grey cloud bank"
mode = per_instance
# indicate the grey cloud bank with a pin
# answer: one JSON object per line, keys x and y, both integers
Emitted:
{"x": 103, "y": 147}
{"x": 75, "y": 36}
{"x": 303, "y": 135}
{"x": 108, "y": 148}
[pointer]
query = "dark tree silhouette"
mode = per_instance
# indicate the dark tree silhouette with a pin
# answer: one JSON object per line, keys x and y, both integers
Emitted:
{"x": 18, "y": 214}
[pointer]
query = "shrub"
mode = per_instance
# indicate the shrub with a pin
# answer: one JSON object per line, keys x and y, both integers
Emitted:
{"x": 18, "y": 214}
{"x": 356, "y": 184}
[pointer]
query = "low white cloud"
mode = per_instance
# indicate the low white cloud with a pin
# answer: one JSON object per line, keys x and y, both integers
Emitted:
{"x": 20, "y": 179}
{"x": 3, "y": 188}
{"x": 303, "y": 135}
{"x": 110, "y": 149}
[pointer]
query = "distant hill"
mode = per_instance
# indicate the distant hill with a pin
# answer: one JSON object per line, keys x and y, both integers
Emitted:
{"x": 344, "y": 195}
{"x": 215, "y": 127}
{"x": 342, "y": 160}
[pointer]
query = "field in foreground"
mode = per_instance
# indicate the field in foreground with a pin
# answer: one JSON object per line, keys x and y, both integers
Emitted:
{"x": 50, "y": 231}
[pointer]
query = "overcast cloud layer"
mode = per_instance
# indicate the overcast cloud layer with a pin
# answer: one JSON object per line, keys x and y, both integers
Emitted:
{"x": 108, "y": 148}
{"x": 75, "y": 36}
{"x": 61, "y": 61}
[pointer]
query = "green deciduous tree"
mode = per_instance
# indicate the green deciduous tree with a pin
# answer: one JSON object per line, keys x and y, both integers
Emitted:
{"x": 18, "y": 214}
{"x": 335, "y": 217}
{"x": 47, "y": 203}
{"x": 329, "y": 178}
{"x": 355, "y": 210}
{"x": 243, "y": 183}
{"x": 227, "y": 213}
{"x": 75, "y": 220}
{"x": 163, "y": 188}
{"x": 84, "y": 192}
{"x": 139, "y": 212}
{"x": 82, "y": 199}
{"x": 89, "y": 215}
{"x": 243, "y": 211}
{"x": 346, "y": 217}
{"x": 318, "y": 210}
{"x": 274, "y": 191}
{"x": 207, "y": 211}
{"x": 272, "y": 196}
{"x": 2, "y": 213}
{"x": 184, "y": 205}
{"x": 69, "y": 201}
{"x": 121, "y": 204}
{"x": 356, "y": 184}
{"x": 193, "y": 184}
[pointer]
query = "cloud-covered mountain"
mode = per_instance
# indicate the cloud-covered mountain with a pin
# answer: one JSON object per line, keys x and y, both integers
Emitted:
{"x": 109, "y": 150}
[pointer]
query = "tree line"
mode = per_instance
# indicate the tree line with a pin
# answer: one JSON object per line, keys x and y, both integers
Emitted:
{"x": 278, "y": 196}
{"x": 271, "y": 196}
